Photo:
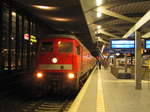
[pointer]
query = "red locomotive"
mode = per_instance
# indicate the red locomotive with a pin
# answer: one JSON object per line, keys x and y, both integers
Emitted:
{"x": 62, "y": 63}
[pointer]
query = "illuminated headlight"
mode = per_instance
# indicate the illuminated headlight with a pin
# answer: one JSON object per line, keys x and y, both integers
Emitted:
{"x": 39, "y": 75}
{"x": 71, "y": 76}
{"x": 54, "y": 60}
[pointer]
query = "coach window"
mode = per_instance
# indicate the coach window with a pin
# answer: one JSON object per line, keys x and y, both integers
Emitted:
{"x": 78, "y": 50}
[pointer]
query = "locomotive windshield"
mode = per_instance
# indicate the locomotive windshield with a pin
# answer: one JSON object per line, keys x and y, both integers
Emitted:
{"x": 47, "y": 47}
{"x": 65, "y": 47}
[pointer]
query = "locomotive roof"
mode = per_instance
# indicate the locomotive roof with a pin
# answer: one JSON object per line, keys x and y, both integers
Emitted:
{"x": 65, "y": 36}
{"x": 62, "y": 36}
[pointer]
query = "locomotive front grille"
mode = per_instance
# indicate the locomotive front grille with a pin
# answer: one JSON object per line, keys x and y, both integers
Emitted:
{"x": 55, "y": 66}
{"x": 54, "y": 79}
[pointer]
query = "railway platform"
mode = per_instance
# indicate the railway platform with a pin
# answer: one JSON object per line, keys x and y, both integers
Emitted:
{"x": 102, "y": 92}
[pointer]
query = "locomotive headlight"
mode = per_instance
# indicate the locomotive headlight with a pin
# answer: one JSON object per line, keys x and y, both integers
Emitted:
{"x": 71, "y": 76}
{"x": 54, "y": 60}
{"x": 39, "y": 75}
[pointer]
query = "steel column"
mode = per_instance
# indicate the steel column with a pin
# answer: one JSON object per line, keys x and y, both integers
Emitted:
{"x": 138, "y": 46}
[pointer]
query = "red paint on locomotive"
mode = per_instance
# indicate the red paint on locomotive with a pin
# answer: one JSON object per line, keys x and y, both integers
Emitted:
{"x": 60, "y": 55}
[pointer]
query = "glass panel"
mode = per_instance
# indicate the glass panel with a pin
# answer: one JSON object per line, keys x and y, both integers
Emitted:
{"x": 19, "y": 43}
{"x": 5, "y": 37}
{"x": 25, "y": 43}
{"x": 47, "y": 47}
{"x": 65, "y": 47}
{"x": 13, "y": 41}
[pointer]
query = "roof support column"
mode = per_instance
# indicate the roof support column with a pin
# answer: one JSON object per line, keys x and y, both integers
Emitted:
{"x": 138, "y": 63}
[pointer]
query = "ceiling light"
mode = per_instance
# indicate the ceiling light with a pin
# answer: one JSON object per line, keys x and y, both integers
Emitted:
{"x": 99, "y": 27}
{"x": 99, "y": 12}
{"x": 98, "y": 2}
{"x": 60, "y": 19}
{"x": 45, "y": 7}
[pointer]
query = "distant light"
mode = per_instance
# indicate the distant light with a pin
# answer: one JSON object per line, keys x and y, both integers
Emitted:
{"x": 12, "y": 38}
{"x": 117, "y": 54}
{"x": 111, "y": 56}
{"x": 26, "y": 36}
{"x": 45, "y": 7}
{"x": 60, "y": 19}
{"x": 13, "y": 13}
{"x": 98, "y": 2}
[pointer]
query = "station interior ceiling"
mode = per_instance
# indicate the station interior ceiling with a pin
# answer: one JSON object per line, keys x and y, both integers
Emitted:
{"x": 92, "y": 21}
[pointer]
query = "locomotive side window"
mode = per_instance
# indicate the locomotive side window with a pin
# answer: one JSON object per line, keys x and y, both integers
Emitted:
{"x": 47, "y": 47}
{"x": 78, "y": 50}
{"x": 65, "y": 47}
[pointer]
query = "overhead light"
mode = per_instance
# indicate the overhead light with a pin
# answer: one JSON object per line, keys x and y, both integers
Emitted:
{"x": 99, "y": 12}
{"x": 45, "y": 7}
{"x": 60, "y": 19}
{"x": 98, "y": 2}
{"x": 99, "y": 27}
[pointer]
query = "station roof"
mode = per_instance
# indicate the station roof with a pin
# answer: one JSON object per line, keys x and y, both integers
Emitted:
{"x": 90, "y": 19}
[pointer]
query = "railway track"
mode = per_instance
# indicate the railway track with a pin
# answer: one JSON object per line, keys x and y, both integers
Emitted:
{"x": 49, "y": 105}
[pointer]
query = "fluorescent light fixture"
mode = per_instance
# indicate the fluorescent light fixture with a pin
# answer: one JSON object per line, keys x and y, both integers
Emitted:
{"x": 99, "y": 27}
{"x": 98, "y": 2}
{"x": 60, "y": 19}
{"x": 99, "y": 12}
{"x": 45, "y": 7}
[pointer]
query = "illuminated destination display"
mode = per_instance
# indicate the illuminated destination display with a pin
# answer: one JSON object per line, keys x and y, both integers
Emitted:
{"x": 147, "y": 44}
{"x": 122, "y": 44}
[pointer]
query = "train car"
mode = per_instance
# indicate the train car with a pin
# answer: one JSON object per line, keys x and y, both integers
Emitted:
{"x": 62, "y": 63}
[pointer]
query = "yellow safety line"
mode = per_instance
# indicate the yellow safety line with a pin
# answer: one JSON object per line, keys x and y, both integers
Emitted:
{"x": 75, "y": 105}
{"x": 100, "y": 107}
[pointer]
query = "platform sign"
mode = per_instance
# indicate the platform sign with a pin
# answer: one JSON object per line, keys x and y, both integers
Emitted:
{"x": 147, "y": 43}
{"x": 148, "y": 64}
{"x": 122, "y": 44}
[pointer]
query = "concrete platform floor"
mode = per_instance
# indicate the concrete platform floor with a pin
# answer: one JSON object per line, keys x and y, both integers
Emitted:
{"x": 104, "y": 93}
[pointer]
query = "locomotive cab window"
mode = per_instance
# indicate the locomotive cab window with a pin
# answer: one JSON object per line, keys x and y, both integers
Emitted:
{"x": 47, "y": 47}
{"x": 65, "y": 47}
